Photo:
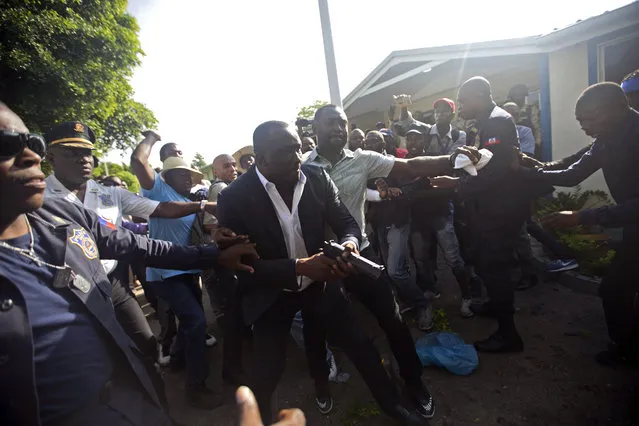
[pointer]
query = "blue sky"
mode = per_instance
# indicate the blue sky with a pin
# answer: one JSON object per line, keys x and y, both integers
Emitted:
{"x": 215, "y": 69}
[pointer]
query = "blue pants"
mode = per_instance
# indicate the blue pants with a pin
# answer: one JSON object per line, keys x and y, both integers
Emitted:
{"x": 181, "y": 293}
{"x": 393, "y": 245}
{"x": 444, "y": 230}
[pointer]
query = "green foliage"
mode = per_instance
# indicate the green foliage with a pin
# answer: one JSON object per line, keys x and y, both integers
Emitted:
{"x": 593, "y": 254}
{"x": 120, "y": 170}
{"x": 573, "y": 201}
{"x": 357, "y": 414}
{"x": 440, "y": 321}
{"x": 64, "y": 60}
{"x": 198, "y": 161}
{"x": 308, "y": 112}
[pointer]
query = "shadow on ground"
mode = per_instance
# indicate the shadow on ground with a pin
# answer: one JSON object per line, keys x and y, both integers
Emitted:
{"x": 555, "y": 381}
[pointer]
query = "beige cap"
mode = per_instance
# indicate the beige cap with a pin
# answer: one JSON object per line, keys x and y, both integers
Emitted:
{"x": 173, "y": 163}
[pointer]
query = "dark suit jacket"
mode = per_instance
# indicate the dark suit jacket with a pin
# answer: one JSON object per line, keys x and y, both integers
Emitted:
{"x": 246, "y": 208}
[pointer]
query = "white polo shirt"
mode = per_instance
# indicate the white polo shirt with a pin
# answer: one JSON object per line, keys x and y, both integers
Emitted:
{"x": 109, "y": 202}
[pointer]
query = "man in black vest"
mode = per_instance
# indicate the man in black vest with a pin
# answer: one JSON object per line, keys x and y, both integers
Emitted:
{"x": 500, "y": 206}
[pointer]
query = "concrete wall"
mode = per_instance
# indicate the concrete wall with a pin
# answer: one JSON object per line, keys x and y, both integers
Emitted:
{"x": 568, "y": 69}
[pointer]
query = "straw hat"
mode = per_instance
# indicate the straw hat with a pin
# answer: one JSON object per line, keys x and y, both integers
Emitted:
{"x": 173, "y": 163}
{"x": 247, "y": 150}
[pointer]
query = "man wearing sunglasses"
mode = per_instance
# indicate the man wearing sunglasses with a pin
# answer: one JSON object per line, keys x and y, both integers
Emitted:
{"x": 64, "y": 359}
{"x": 71, "y": 148}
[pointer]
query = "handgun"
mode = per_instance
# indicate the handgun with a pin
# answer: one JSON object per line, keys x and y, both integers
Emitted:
{"x": 371, "y": 269}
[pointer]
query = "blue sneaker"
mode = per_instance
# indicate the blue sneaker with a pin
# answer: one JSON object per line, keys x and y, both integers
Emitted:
{"x": 562, "y": 265}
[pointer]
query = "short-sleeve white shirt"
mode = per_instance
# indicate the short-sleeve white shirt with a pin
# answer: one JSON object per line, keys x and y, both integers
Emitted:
{"x": 110, "y": 203}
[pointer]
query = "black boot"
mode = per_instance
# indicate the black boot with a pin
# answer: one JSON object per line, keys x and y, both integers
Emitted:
{"x": 505, "y": 339}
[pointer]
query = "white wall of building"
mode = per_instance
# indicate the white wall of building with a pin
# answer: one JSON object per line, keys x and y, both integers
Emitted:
{"x": 568, "y": 69}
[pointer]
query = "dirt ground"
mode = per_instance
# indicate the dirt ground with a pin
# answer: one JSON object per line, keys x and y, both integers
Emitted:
{"x": 555, "y": 381}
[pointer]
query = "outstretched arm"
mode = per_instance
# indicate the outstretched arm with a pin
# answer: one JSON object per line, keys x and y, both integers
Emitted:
{"x": 140, "y": 159}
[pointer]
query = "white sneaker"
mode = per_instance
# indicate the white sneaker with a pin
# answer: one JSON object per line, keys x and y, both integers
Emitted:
{"x": 210, "y": 340}
{"x": 465, "y": 308}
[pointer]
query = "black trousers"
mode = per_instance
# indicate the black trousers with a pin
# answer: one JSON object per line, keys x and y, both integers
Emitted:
{"x": 494, "y": 242}
{"x": 323, "y": 304}
{"x": 129, "y": 313}
{"x": 221, "y": 286}
{"x": 378, "y": 297}
{"x": 619, "y": 293}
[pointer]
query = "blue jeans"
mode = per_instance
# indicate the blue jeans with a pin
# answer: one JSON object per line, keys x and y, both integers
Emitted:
{"x": 183, "y": 295}
{"x": 444, "y": 230}
{"x": 393, "y": 246}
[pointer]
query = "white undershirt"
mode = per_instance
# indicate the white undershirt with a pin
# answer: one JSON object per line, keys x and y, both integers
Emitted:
{"x": 289, "y": 221}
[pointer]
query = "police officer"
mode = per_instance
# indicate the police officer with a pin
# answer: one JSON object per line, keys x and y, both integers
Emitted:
{"x": 499, "y": 208}
{"x": 64, "y": 359}
{"x": 71, "y": 145}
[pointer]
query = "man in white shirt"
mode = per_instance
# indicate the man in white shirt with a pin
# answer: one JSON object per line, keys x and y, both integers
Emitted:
{"x": 284, "y": 209}
{"x": 71, "y": 147}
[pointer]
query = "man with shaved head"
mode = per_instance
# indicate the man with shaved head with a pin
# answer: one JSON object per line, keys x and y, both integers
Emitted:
{"x": 221, "y": 284}
{"x": 605, "y": 115}
{"x": 500, "y": 209}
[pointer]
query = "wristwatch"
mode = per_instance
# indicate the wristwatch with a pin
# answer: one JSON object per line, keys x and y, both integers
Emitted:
{"x": 203, "y": 205}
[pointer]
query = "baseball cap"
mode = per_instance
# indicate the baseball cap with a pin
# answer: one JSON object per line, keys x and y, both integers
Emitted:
{"x": 450, "y": 103}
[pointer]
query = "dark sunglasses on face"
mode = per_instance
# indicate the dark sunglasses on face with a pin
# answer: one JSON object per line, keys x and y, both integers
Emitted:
{"x": 13, "y": 143}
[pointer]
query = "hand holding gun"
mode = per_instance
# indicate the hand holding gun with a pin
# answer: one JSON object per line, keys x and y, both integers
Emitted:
{"x": 364, "y": 266}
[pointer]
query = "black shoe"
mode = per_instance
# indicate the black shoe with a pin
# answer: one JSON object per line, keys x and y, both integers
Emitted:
{"x": 408, "y": 418}
{"x": 526, "y": 282}
{"x": 199, "y": 396}
{"x": 324, "y": 404}
{"x": 499, "y": 343}
{"x": 423, "y": 401}
{"x": 483, "y": 310}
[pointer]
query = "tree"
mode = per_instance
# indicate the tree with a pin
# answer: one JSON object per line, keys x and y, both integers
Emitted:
{"x": 308, "y": 112}
{"x": 65, "y": 60}
{"x": 120, "y": 170}
{"x": 198, "y": 161}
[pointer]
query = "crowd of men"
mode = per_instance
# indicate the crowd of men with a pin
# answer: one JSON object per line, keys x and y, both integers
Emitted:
{"x": 77, "y": 349}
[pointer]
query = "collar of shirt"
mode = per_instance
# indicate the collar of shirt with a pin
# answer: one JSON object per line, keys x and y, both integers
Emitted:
{"x": 316, "y": 157}
{"x": 289, "y": 221}
{"x": 449, "y": 134}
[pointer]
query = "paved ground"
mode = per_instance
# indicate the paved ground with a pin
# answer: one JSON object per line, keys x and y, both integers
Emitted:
{"x": 555, "y": 381}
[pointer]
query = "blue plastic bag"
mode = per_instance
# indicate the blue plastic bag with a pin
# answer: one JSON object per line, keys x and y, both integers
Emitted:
{"x": 449, "y": 351}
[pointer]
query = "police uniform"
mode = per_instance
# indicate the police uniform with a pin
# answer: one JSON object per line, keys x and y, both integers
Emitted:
{"x": 110, "y": 203}
{"x": 499, "y": 208}
{"x": 72, "y": 240}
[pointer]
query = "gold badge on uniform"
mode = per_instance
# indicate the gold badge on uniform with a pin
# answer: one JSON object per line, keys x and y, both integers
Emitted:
{"x": 79, "y": 128}
{"x": 82, "y": 239}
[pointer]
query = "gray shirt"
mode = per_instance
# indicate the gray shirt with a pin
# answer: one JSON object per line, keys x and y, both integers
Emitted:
{"x": 214, "y": 190}
{"x": 445, "y": 145}
{"x": 351, "y": 174}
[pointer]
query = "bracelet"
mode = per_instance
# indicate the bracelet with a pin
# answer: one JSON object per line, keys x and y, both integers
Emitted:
{"x": 203, "y": 205}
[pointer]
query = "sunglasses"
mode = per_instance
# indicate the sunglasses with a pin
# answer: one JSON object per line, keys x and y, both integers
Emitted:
{"x": 13, "y": 143}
